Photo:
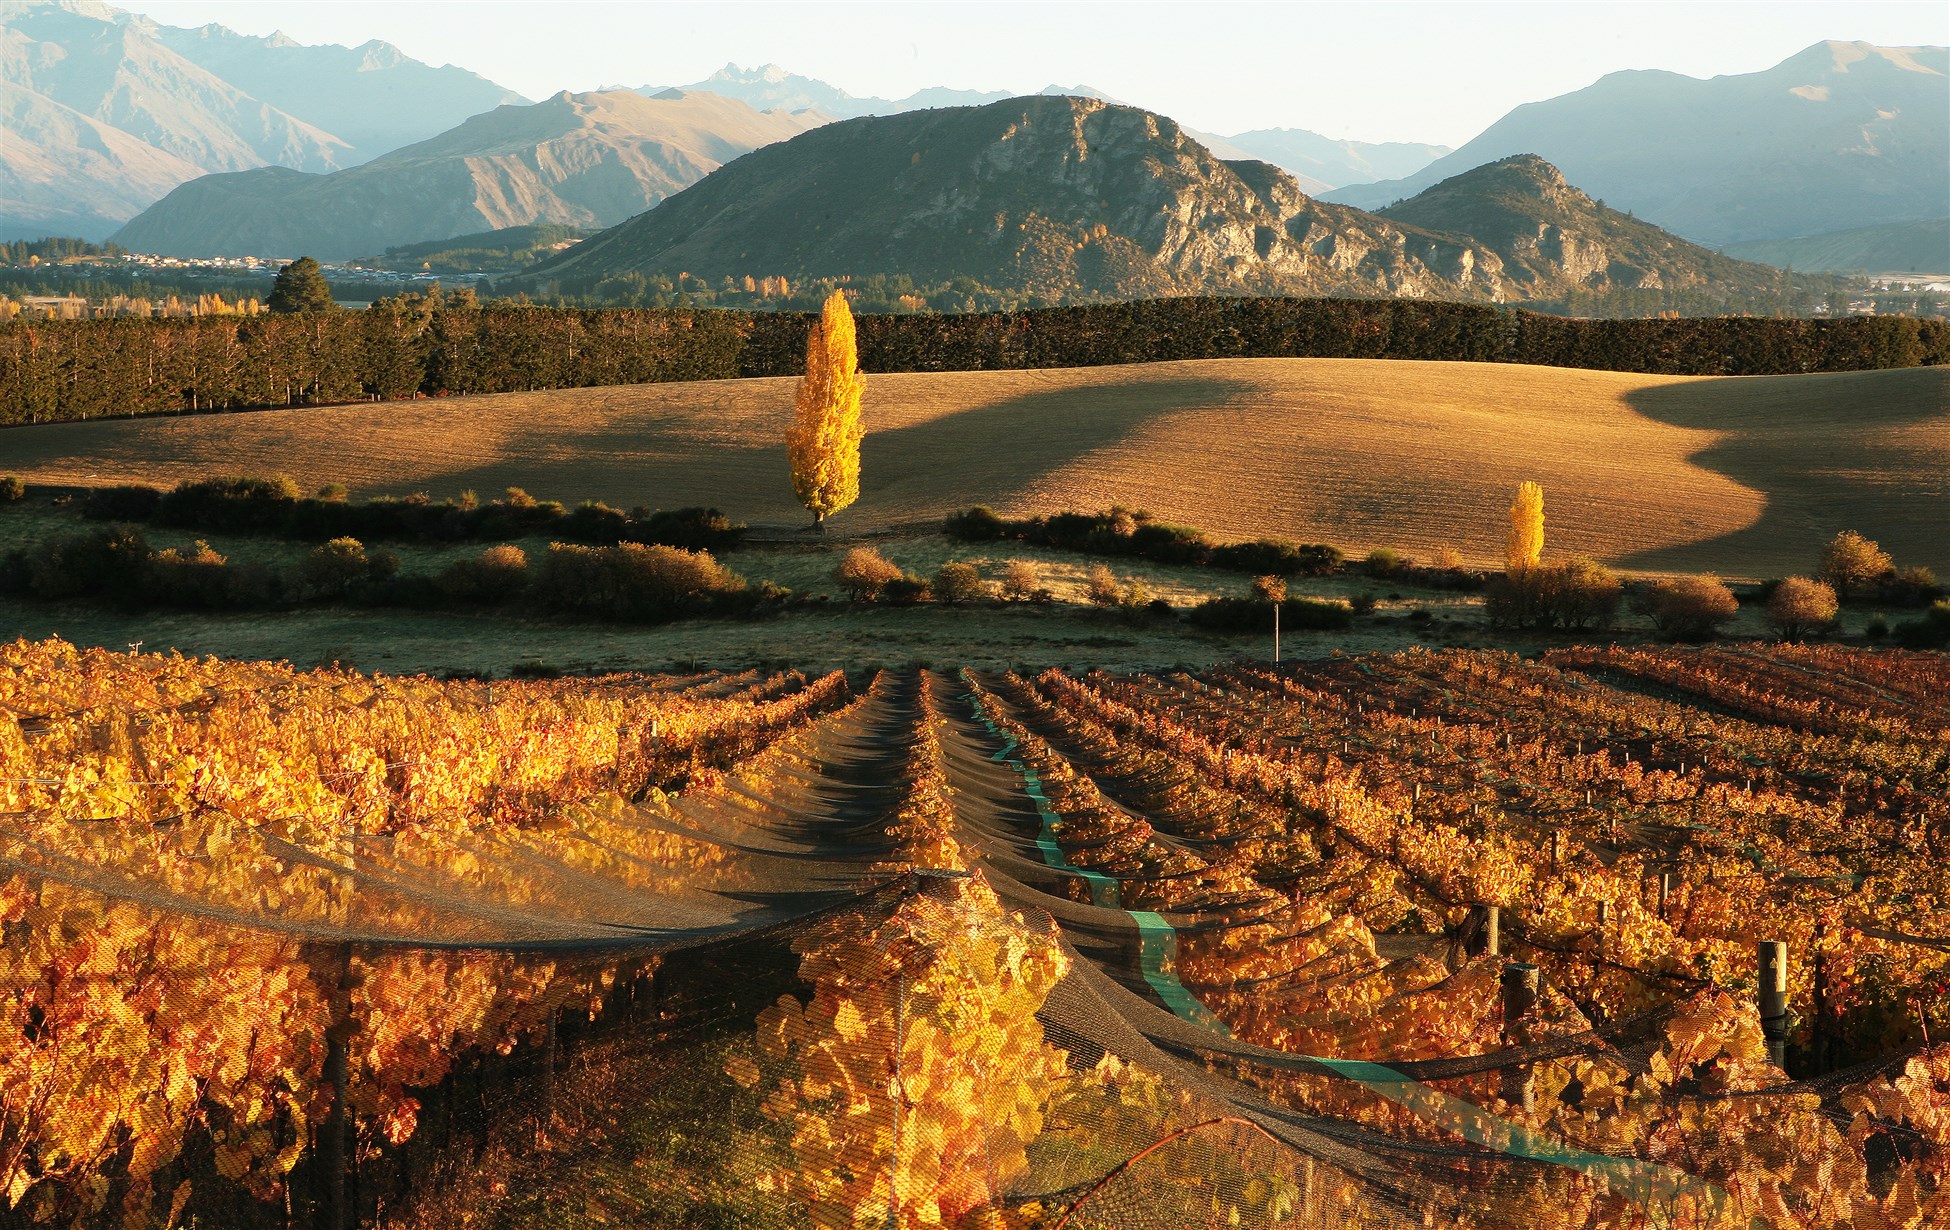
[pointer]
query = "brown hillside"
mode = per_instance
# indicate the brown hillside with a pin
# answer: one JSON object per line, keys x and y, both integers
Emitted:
{"x": 1746, "y": 476}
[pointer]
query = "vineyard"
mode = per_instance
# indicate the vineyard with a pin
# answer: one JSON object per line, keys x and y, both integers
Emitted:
{"x": 1439, "y": 939}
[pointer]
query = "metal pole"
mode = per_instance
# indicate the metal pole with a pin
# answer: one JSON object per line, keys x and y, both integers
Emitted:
{"x": 1773, "y": 959}
{"x": 1276, "y": 633}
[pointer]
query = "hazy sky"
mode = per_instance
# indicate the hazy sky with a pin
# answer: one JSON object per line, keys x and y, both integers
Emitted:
{"x": 1375, "y": 71}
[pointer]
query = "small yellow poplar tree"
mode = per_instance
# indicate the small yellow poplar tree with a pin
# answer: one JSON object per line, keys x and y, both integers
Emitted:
{"x": 823, "y": 442}
{"x": 1526, "y": 549}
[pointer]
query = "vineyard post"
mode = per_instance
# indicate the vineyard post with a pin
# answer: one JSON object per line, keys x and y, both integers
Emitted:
{"x": 547, "y": 1116}
{"x": 332, "y": 1154}
{"x": 1481, "y": 932}
{"x": 1276, "y": 633}
{"x": 1822, "y": 1050}
{"x": 1665, "y": 891}
{"x": 1519, "y": 1001}
{"x": 1772, "y": 956}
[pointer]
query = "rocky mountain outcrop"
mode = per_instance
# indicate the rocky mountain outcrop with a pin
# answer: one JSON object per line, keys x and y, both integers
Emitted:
{"x": 1552, "y": 237}
{"x": 1839, "y": 136}
{"x": 1067, "y": 199}
{"x": 581, "y": 160}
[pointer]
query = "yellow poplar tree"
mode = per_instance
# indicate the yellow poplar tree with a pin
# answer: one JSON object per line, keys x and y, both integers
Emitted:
{"x": 823, "y": 442}
{"x": 1526, "y": 549}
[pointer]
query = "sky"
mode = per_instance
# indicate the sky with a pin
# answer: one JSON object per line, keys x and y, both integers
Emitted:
{"x": 1418, "y": 70}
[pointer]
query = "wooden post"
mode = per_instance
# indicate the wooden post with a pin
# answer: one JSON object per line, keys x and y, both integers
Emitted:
{"x": 1519, "y": 1001}
{"x": 1557, "y": 849}
{"x": 1823, "y": 1056}
{"x": 1665, "y": 891}
{"x": 332, "y": 1154}
{"x": 1482, "y": 932}
{"x": 546, "y": 1112}
{"x": 1772, "y": 957}
{"x": 1418, "y": 792}
{"x": 1276, "y": 634}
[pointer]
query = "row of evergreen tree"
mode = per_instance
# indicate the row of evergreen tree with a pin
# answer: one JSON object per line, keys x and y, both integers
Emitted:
{"x": 433, "y": 345}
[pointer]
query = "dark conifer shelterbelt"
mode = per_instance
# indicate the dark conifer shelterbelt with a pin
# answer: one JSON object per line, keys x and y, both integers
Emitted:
{"x": 55, "y": 371}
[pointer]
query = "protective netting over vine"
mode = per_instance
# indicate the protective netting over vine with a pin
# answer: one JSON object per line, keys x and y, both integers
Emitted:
{"x": 1429, "y": 940}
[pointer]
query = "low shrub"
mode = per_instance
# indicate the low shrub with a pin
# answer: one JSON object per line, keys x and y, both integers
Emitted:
{"x": 956, "y": 583}
{"x": 906, "y": 590}
{"x": 1906, "y": 587}
{"x": 1687, "y": 608}
{"x": 332, "y": 570}
{"x": 1799, "y": 607}
{"x": 632, "y": 581}
{"x": 125, "y": 503}
{"x": 1020, "y": 581}
{"x": 1101, "y": 586}
{"x": 495, "y": 575}
{"x": 1930, "y": 631}
{"x": 12, "y": 489}
{"x": 195, "y": 576}
{"x": 1385, "y": 562}
{"x": 864, "y": 572}
{"x": 111, "y": 563}
{"x": 1253, "y": 615}
{"x": 978, "y": 524}
{"x": 1279, "y": 557}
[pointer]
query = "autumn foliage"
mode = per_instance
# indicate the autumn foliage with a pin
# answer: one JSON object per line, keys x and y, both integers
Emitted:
{"x": 823, "y": 442}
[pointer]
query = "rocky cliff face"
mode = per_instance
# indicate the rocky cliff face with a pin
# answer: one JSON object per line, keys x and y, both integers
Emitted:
{"x": 1066, "y": 199}
{"x": 1058, "y": 197}
{"x": 1554, "y": 239}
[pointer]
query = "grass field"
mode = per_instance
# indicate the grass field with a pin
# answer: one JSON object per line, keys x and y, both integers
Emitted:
{"x": 1745, "y": 476}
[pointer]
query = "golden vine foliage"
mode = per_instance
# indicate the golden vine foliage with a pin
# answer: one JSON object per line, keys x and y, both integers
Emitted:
{"x": 1526, "y": 549}
{"x": 823, "y": 442}
{"x": 917, "y": 1074}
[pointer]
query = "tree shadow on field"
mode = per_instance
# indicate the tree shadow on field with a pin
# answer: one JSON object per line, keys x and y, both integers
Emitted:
{"x": 991, "y": 453}
{"x": 1864, "y": 451}
{"x": 996, "y": 453}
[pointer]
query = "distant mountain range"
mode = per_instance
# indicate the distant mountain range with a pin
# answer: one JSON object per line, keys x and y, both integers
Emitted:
{"x": 1065, "y": 199}
{"x": 1839, "y": 136}
{"x": 105, "y": 111}
{"x": 579, "y": 160}
{"x": 206, "y": 141}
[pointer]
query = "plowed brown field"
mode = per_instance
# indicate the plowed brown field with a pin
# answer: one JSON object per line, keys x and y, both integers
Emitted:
{"x": 1746, "y": 476}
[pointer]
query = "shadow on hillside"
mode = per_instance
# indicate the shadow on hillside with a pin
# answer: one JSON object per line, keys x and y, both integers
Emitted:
{"x": 1824, "y": 464}
{"x": 988, "y": 454}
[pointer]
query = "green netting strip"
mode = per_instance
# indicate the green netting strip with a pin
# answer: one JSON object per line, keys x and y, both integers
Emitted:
{"x": 1645, "y": 1182}
{"x": 1642, "y": 1181}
